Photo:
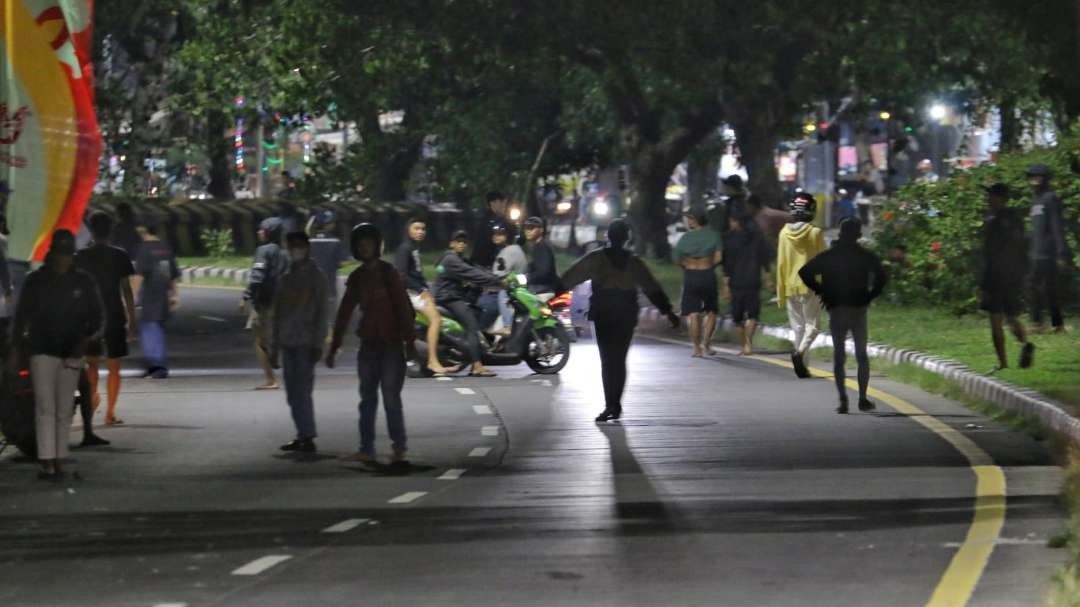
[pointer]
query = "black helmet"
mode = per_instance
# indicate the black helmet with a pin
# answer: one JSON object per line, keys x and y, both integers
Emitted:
{"x": 365, "y": 231}
{"x": 803, "y": 207}
{"x": 1039, "y": 170}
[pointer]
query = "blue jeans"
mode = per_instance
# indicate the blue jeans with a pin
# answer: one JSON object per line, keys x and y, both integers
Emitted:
{"x": 299, "y": 371}
{"x": 489, "y": 309}
{"x": 152, "y": 340}
{"x": 381, "y": 367}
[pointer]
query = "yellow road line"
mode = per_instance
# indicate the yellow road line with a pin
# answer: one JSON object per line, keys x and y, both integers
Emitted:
{"x": 958, "y": 583}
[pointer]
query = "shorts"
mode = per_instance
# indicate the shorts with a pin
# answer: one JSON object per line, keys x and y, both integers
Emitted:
{"x": 1002, "y": 300}
{"x": 745, "y": 305}
{"x": 113, "y": 345}
{"x": 699, "y": 292}
{"x": 264, "y": 329}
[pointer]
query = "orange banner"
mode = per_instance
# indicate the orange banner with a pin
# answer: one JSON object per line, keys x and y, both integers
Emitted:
{"x": 50, "y": 145}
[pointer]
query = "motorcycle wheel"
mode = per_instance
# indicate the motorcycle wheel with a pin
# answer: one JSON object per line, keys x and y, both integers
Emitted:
{"x": 550, "y": 357}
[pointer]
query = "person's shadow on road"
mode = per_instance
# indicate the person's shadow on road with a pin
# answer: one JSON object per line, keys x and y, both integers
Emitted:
{"x": 636, "y": 501}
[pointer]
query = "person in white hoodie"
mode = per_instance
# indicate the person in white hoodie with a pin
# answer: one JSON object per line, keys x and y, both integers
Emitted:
{"x": 799, "y": 242}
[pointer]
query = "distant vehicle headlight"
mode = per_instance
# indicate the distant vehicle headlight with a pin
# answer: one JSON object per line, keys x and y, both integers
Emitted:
{"x": 515, "y": 214}
{"x": 601, "y": 208}
{"x": 564, "y": 207}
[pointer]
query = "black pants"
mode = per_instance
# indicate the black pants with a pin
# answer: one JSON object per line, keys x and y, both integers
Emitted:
{"x": 1044, "y": 292}
{"x": 615, "y": 322}
{"x": 465, "y": 314}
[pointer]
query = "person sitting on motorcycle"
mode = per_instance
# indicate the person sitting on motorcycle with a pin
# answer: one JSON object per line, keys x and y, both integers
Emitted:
{"x": 456, "y": 278}
{"x": 510, "y": 259}
{"x": 408, "y": 264}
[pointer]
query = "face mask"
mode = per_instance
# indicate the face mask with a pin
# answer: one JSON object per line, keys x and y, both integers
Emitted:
{"x": 298, "y": 254}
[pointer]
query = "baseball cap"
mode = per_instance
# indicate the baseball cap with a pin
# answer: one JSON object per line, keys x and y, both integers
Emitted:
{"x": 533, "y": 222}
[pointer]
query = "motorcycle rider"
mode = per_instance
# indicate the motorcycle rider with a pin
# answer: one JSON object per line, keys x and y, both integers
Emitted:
{"x": 456, "y": 278}
{"x": 408, "y": 264}
{"x": 495, "y": 301}
{"x": 616, "y": 276}
{"x": 542, "y": 276}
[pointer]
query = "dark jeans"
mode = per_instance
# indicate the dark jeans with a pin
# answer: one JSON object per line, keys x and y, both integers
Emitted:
{"x": 615, "y": 322}
{"x": 489, "y": 308}
{"x": 464, "y": 314}
{"x": 299, "y": 370}
{"x": 1044, "y": 292}
{"x": 381, "y": 367}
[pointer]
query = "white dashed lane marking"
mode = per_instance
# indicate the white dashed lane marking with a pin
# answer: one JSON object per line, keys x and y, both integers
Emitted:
{"x": 409, "y": 497}
{"x": 489, "y": 431}
{"x": 464, "y": 390}
{"x": 170, "y": 604}
{"x": 444, "y": 379}
{"x": 452, "y": 474}
{"x": 346, "y": 525}
{"x": 482, "y": 409}
{"x": 479, "y": 451}
{"x": 260, "y": 565}
{"x": 213, "y": 319}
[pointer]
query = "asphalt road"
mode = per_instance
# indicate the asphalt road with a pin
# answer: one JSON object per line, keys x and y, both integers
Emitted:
{"x": 728, "y": 482}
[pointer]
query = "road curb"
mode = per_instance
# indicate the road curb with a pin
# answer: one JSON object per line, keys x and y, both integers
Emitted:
{"x": 1010, "y": 397}
{"x": 191, "y": 274}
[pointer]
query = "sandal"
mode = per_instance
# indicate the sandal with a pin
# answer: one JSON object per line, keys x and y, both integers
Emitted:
{"x": 484, "y": 373}
{"x": 113, "y": 421}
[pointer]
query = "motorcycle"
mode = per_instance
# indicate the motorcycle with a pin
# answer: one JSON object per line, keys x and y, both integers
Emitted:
{"x": 537, "y": 337}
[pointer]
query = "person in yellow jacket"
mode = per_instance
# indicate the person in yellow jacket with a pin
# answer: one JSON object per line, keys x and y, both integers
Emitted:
{"x": 799, "y": 242}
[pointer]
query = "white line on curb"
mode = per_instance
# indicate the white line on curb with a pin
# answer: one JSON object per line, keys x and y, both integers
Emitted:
{"x": 489, "y": 431}
{"x": 482, "y": 409}
{"x": 261, "y": 564}
{"x": 408, "y": 497}
{"x": 345, "y": 525}
{"x": 452, "y": 474}
{"x": 464, "y": 390}
{"x": 479, "y": 451}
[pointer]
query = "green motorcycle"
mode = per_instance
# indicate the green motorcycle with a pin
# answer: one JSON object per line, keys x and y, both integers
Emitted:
{"x": 536, "y": 338}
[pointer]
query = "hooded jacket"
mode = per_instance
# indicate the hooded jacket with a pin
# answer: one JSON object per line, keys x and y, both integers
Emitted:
{"x": 799, "y": 243}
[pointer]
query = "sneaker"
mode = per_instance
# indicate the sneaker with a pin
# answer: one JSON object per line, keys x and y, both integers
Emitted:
{"x": 93, "y": 440}
{"x": 360, "y": 457}
{"x": 1027, "y": 356}
{"x": 159, "y": 373}
{"x": 866, "y": 405}
{"x": 293, "y": 445}
{"x": 799, "y": 365}
{"x": 398, "y": 457}
{"x": 843, "y": 408}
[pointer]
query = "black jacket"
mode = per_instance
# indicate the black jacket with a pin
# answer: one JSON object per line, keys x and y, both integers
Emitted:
{"x": 1005, "y": 255}
{"x": 457, "y": 277}
{"x": 57, "y": 312}
{"x": 407, "y": 262}
{"x": 484, "y": 250}
{"x": 746, "y": 255}
{"x": 270, "y": 263}
{"x": 541, "y": 275}
{"x": 849, "y": 276}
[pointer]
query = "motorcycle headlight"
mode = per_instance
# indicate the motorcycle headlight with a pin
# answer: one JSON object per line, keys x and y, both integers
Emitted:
{"x": 522, "y": 280}
{"x": 601, "y": 208}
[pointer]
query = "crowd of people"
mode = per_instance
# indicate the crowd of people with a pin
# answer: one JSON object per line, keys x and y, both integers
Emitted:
{"x": 122, "y": 287}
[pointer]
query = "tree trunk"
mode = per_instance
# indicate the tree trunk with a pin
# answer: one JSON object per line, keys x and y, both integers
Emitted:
{"x": 701, "y": 178}
{"x": 758, "y": 140}
{"x": 394, "y": 172}
{"x": 217, "y": 149}
{"x": 648, "y": 207}
{"x": 1010, "y": 126}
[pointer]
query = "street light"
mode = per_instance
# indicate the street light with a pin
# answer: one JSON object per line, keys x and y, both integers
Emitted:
{"x": 938, "y": 111}
{"x": 885, "y": 115}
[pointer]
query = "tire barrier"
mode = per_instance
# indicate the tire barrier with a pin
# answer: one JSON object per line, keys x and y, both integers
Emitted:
{"x": 182, "y": 222}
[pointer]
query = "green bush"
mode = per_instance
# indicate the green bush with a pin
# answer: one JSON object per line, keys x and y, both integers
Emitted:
{"x": 931, "y": 235}
{"x": 217, "y": 243}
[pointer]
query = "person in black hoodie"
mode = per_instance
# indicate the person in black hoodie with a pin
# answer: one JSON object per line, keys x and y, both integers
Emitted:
{"x": 848, "y": 278}
{"x": 453, "y": 290}
{"x": 1003, "y": 272}
{"x": 541, "y": 275}
{"x": 484, "y": 250}
{"x": 746, "y": 255}
{"x": 616, "y": 276}
{"x": 58, "y": 315}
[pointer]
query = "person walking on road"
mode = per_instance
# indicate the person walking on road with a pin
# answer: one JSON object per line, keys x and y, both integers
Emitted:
{"x": 1049, "y": 253}
{"x": 269, "y": 264}
{"x": 746, "y": 255}
{"x": 112, "y": 270}
{"x": 542, "y": 277}
{"x": 456, "y": 279}
{"x": 616, "y": 276}
{"x": 848, "y": 278}
{"x": 299, "y": 333}
{"x": 411, "y": 268}
{"x": 58, "y": 315}
{"x": 800, "y": 241}
{"x": 156, "y": 273}
{"x": 698, "y": 252}
{"x": 386, "y": 338}
{"x": 328, "y": 253}
{"x": 1003, "y": 272}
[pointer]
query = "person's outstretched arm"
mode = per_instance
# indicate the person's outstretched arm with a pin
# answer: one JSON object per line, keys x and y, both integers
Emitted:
{"x": 476, "y": 275}
{"x": 578, "y": 272}
{"x": 650, "y": 286}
